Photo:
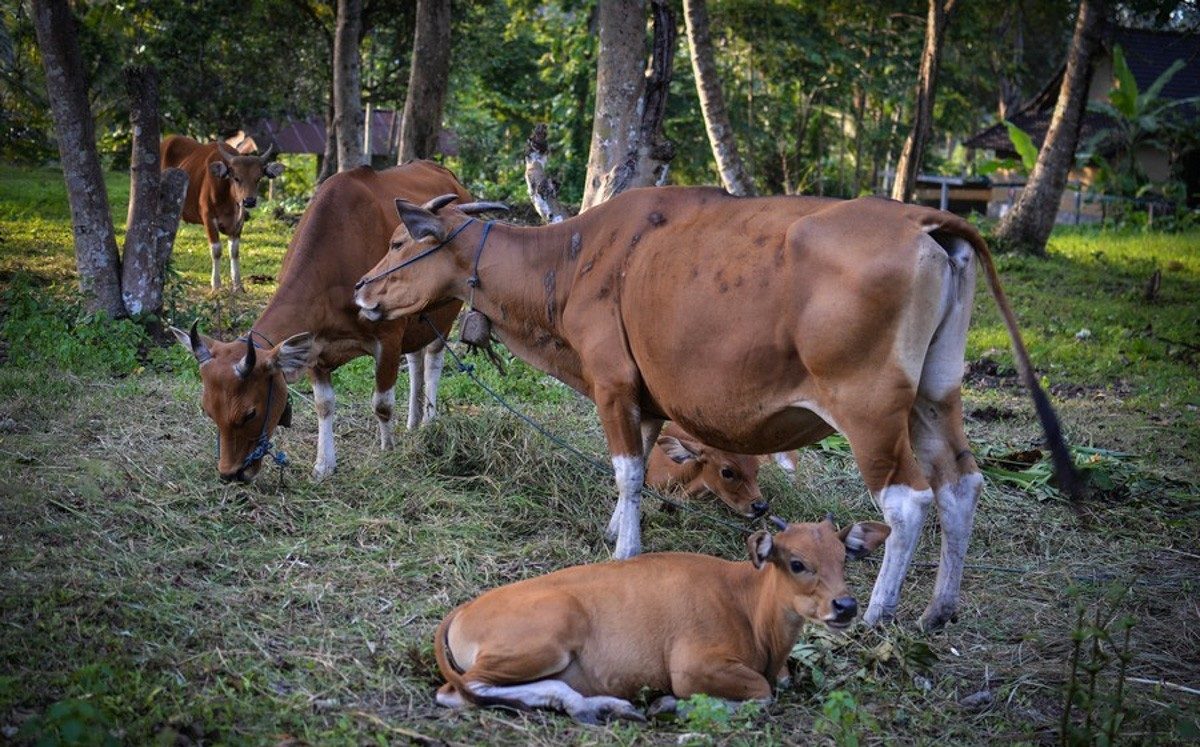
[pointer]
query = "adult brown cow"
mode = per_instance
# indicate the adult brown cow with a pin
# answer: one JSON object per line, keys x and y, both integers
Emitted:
{"x": 222, "y": 186}
{"x": 311, "y": 323}
{"x": 757, "y": 324}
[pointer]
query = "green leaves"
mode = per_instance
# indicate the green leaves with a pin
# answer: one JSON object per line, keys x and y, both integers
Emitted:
{"x": 1023, "y": 145}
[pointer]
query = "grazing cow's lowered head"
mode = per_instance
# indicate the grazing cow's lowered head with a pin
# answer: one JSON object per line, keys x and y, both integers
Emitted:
{"x": 680, "y": 459}
{"x": 395, "y": 289}
{"x": 238, "y": 378}
{"x": 244, "y": 172}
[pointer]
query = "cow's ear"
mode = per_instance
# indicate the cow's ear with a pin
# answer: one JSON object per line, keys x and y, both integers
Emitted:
{"x": 421, "y": 223}
{"x": 273, "y": 169}
{"x": 219, "y": 169}
{"x": 760, "y": 546}
{"x": 294, "y": 356}
{"x": 862, "y": 538}
{"x": 678, "y": 451}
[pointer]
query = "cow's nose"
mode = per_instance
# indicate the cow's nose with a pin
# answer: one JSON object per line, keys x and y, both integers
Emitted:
{"x": 844, "y": 609}
{"x": 759, "y": 508}
{"x": 250, "y": 202}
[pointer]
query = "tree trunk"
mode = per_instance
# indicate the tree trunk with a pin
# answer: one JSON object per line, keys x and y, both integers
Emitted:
{"x": 428, "y": 80}
{"x": 1027, "y": 226}
{"x": 95, "y": 245}
{"x": 628, "y": 148}
{"x": 712, "y": 101}
{"x": 931, "y": 58}
{"x": 347, "y": 85}
{"x": 330, "y": 159}
{"x": 141, "y": 283}
{"x": 543, "y": 191}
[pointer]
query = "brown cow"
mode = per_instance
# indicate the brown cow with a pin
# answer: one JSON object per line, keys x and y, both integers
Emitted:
{"x": 587, "y": 639}
{"x": 679, "y": 461}
{"x": 311, "y": 323}
{"x": 222, "y": 186}
{"x": 757, "y": 324}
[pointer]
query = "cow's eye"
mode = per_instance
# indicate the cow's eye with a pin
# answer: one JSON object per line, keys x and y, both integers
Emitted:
{"x": 247, "y": 417}
{"x": 397, "y": 244}
{"x": 798, "y": 567}
{"x": 727, "y": 473}
{"x": 237, "y": 179}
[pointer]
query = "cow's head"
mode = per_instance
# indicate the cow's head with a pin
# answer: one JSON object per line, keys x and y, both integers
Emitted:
{"x": 236, "y": 377}
{"x": 731, "y": 477}
{"x": 393, "y": 289}
{"x": 808, "y": 563}
{"x": 244, "y": 172}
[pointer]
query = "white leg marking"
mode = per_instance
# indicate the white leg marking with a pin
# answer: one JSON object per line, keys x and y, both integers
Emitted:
{"x": 558, "y": 695}
{"x": 904, "y": 511}
{"x": 452, "y": 699}
{"x": 630, "y": 473}
{"x": 435, "y": 361}
{"x": 326, "y": 459}
{"x": 215, "y": 249}
{"x": 785, "y": 462}
{"x": 416, "y": 388}
{"x": 384, "y": 404}
{"x": 235, "y": 266}
{"x": 956, "y": 513}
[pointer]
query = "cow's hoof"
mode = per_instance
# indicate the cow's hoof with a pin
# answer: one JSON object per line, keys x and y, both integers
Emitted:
{"x": 239, "y": 288}
{"x": 665, "y": 706}
{"x": 877, "y": 616}
{"x": 936, "y": 616}
{"x": 600, "y": 709}
{"x": 321, "y": 471}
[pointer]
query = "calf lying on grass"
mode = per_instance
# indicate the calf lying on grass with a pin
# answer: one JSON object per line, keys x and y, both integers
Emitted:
{"x": 587, "y": 639}
{"x": 680, "y": 460}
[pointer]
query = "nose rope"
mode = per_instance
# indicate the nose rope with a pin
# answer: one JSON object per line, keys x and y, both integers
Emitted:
{"x": 411, "y": 260}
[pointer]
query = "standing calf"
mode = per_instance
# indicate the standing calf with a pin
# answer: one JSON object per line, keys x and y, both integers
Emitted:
{"x": 222, "y": 186}
{"x": 587, "y": 639}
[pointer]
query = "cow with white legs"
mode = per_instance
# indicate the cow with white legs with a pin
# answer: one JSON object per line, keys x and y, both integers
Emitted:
{"x": 758, "y": 324}
{"x": 312, "y": 326}
{"x": 222, "y": 186}
{"x": 588, "y": 639}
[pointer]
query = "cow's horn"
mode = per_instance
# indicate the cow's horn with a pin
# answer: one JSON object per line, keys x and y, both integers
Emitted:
{"x": 267, "y": 155}
{"x": 482, "y": 207}
{"x": 247, "y": 364}
{"x": 439, "y": 202}
{"x": 779, "y": 523}
{"x": 199, "y": 349}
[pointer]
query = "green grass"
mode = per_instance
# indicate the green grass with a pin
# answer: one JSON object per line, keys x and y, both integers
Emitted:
{"x": 141, "y": 597}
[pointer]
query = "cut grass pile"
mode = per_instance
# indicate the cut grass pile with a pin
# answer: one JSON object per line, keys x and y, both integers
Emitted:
{"x": 143, "y": 599}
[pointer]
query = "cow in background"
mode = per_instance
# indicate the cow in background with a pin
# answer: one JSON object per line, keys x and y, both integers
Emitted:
{"x": 680, "y": 461}
{"x": 312, "y": 325}
{"x": 222, "y": 186}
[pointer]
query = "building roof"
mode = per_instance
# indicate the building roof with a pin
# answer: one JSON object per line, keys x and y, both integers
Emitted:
{"x": 292, "y": 135}
{"x": 1148, "y": 53}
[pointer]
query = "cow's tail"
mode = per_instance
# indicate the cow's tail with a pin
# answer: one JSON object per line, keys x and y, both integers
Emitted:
{"x": 449, "y": 668}
{"x": 1064, "y": 467}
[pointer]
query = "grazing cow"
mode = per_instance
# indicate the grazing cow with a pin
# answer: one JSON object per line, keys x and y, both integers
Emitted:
{"x": 680, "y": 460}
{"x": 757, "y": 324}
{"x": 222, "y": 186}
{"x": 587, "y": 639}
{"x": 311, "y": 323}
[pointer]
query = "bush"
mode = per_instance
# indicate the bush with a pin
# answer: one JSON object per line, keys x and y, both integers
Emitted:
{"x": 45, "y": 330}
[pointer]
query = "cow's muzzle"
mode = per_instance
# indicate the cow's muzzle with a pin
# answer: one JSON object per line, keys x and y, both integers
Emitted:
{"x": 758, "y": 508}
{"x": 845, "y": 609}
{"x": 249, "y": 202}
{"x": 239, "y": 476}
